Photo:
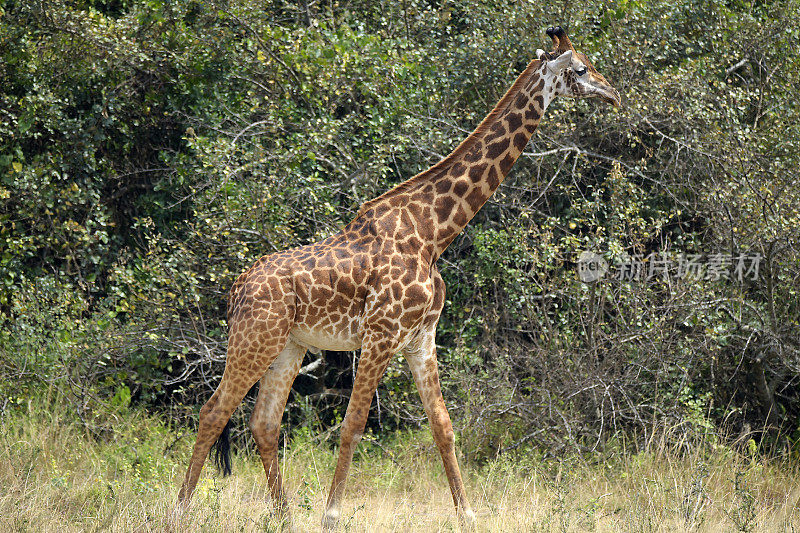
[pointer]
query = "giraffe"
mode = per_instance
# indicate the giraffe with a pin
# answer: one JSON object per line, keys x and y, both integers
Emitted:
{"x": 375, "y": 286}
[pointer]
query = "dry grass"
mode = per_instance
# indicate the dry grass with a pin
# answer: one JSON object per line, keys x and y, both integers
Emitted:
{"x": 54, "y": 478}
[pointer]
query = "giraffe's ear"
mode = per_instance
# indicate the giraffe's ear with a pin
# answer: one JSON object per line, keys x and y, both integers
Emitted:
{"x": 560, "y": 63}
{"x": 541, "y": 54}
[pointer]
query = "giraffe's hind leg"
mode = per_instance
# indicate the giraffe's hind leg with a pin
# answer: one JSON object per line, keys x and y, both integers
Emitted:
{"x": 256, "y": 338}
{"x": 265, "y": 422}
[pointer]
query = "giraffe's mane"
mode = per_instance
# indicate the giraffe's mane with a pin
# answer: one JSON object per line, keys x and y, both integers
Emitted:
{"x": 462, "y": 148}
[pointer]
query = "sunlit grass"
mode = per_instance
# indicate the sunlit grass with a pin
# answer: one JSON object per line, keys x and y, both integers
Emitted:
{"x": 55, "y": 477}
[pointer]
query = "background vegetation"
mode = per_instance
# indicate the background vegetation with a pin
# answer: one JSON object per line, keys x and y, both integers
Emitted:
{"x": 151, "y": 150}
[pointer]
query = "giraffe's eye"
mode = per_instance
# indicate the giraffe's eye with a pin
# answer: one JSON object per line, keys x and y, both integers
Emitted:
{"x": 580, "y": 71}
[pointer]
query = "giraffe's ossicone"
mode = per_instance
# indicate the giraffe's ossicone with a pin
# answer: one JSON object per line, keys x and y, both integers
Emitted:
{"x": 375, "y": 285}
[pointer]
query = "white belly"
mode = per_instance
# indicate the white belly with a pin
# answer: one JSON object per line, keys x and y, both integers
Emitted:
{"x": 316, "y": 340}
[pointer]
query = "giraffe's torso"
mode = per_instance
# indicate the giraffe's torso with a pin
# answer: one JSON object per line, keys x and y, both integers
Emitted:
{"x": 374, "y": 276}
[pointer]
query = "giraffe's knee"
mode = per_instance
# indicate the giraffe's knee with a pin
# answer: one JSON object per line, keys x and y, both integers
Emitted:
{"x": 207, "y": 415}
{"x": 207, "y": 408}
{"x": 352, "y": 429}
{"x": 215, "y": 413}
{"x": 446, "y": 438}
{"x": 265, "y": 434}
{"x": 350, "y": 436}
{"x": 443, "y": 432}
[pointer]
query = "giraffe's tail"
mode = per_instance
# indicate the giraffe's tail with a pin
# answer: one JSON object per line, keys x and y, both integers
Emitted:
{"x": 222, "y": 450}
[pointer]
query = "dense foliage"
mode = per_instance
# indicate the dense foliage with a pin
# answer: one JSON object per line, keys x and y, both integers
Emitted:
{"x": 151, "y": 150}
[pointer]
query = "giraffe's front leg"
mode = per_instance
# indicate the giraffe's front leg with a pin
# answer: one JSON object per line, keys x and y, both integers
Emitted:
{"x": 372, "y": 364}
{"x": 422, "y": 360}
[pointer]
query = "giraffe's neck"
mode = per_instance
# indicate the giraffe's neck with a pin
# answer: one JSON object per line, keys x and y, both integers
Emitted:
{"x": 467, "y": 183}
{"x": 458, "y": 185}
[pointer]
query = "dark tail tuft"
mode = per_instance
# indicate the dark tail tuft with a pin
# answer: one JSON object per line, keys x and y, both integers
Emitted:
{"x": 222, "y": 450}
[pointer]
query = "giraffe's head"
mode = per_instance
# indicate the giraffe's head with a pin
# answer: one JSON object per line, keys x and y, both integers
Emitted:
{"x": 576, "y": 74}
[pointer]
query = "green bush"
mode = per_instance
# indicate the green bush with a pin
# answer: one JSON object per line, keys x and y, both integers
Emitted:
{"x": 151, "y": 151}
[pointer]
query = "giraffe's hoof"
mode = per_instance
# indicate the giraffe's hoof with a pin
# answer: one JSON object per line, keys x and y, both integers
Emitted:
{"x": 330, "y": 520}
{"x": 289, "y": 527}
{"x": 467, "y": 520}
{"x": 284, "y": 523}
{"x": 175, "y": 516}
